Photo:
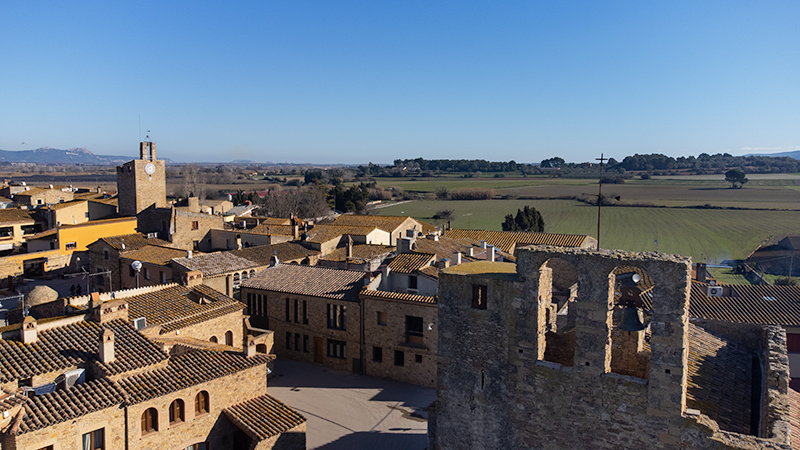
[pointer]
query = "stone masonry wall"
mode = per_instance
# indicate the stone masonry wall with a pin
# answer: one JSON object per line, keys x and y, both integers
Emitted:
{"x": 68, "y": 435}
{"x": 495, "y": 391}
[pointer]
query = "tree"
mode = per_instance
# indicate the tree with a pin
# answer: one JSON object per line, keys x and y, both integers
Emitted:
{"x": 445, "y": 215}
{"x": 735, "y": 177}
{"x": 527, "y": 219}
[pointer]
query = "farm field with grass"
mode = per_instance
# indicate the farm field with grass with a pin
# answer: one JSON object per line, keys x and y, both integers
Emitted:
{"x": 713, "y": 235}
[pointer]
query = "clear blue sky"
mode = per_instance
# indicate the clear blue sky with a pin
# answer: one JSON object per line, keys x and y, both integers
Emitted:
{"x": 353, "y": 82}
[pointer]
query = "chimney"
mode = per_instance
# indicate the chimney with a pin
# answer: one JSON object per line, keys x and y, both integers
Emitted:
{"x": 273, "y": 260}
{"x": 490, "y": 253}
{"x": 700, "y": 272}
{"x": 483, "y": 244}
{"x": 143, "y": 150}
{"x": 295, "y": 229}
{"x": 385, "y": 270}
{"x": 152, "y": 146}
{"x": 193, "y": 278}
{"x": 349, "y": 246}
{"x": 405, "y": 245}
{"x": 106, "y": 347}
{"x": 443, "y": 263}
{"x": 238, "y": 242}
{"x": 472, "y": 251}
{"x": 28, "y": 330}
{"x": 433, "y": 236}
{"x": 194, "y": 204}
{"x": 188, "y": 254}
{"x": 249, "y": 347}
{"x": 456, "y": 259}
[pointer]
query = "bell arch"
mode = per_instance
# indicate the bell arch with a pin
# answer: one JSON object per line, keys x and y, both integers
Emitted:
{"x": 630, "y": 317}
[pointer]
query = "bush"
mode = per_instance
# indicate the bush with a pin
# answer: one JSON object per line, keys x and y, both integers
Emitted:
{"x": 472, "y": 194}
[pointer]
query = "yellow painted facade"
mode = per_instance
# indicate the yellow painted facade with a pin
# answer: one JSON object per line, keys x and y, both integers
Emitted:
{"x": 75, "y": 238}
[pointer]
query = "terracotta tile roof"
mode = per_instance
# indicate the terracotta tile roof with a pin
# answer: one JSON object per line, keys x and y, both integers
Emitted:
{"x": 385, "y": 223}
{"x": 271, "y": 230}
{"x": 68, "y": 404}
{"x": 411, "y": 262}
{"x": 187, "y": 370}
{"x": 776, "y": 305}
{"x": 507, "y": 240}
{"x": 5, "y": 200}
{"x": 51, "y": 233}
{"x": 309, "y": 280}
{"x": 264, "y": 417}
{"x": 272, "y": 220}
{"x": 100, "y": 221}
{"x": 719, "y": 379}
{"x": 57, "y": 206}
{"x": 431, "y": 271}
{"x": 177, "y": 307}
{"x": 10, "y": 400}
{"x": 286, "y": 251}
{"x": 385, "y": 295}
{"x": 132, "y": 241}
{"x": 794, "y": 418}
{"x": 14, "y": 215}
{"x": 324, "y": 233}
{"x": 362, "y": 252}
{"x": 113, "y": 201}
{"x": 216, "y": 263}
{"x": 155, "y": 254}
{"x": 69, "y": 346}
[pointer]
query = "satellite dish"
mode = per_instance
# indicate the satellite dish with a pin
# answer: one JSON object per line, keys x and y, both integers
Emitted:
{"x": 136, "y": 265}
{"x": 636, "y": 278}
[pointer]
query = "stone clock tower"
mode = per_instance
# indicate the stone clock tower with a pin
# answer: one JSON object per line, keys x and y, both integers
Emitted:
{"x": 141, "y": 183}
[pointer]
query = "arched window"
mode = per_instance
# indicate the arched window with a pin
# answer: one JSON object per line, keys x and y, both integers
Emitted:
{"x": 213, "y": 339}
{"x": 244, "y": 275}
{"x": 201, "y": 403}
{"x": 149, "y": 420}
{"x": 252, "y": 273}
{"x": 176, "y": 412}
{"x": 229, "y": 337}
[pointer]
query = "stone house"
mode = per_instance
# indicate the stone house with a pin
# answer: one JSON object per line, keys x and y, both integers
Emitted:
{"x": 400, "y": 336}
{"x": 326, "y": 238}
{"x": 397, "y": 227}
{"x": 215, "y": 207}
{"x": 105, "y": 253}
{"x": 156, "y": 266}
{"x": 93, "y": 381}
{"x": 15, "y": 226}
{"x": 77, "y": 211}
{"x": 222, "y": 271}
{"x": 232, "y": 238}
{"x": 406, "y": 273}
{"x": 674, "y": 384}
{"x": 287, "y": 253}
{"x": 365, "y": 258}
{"x": 315, "y": 312}
{"x": 36, "y": 197}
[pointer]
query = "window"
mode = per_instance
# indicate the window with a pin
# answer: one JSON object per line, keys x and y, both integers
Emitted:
{"x": 195, "y": 245}
{"x": 412, "y": 281}
{"x": 287, "y": 310}
{"x": 288, "y": 340}
{"x": 337, "y": 349}
{"x": 414, "y": 333}
{"x": 305, "y": 312}
{"x": 377, "y": 354}
{"x": 7, "y": 232}
{"x": 478, "y": 296}
{"x": 198, "y": 446}
{"x": 418, "y": 358}
{"x": 149, "y": 421}
{"x": 39, "y": 201}
{"x": 297, "y": 342}
{"x": 296, "y": 312}
{"x": 176, "y": 412}
{"x": 87, "y": 214}
{"x": 336, "y": 317}
{"x": 49, "y": 447}
{"x": 213, "y": 339}
{"x": 71, "y": 245}
{"x": 229, "y": 337}
{"x": 382, "y": 318}
{"x": 305, "y": 343}
{"x": 195, "y": 225}
{"x": 131, "y": 272}
{"x": 93, "y": 440}
{"x": 105, "y": 254}
{"x": 399, "y": 358}
{"x": 201, "y": 402}
{"x": 146, "y": 273}
{"x": 163, "y": 277}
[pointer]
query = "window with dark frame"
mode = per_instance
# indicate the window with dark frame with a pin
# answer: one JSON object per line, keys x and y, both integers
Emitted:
{"x": 412, "y": 281}
{"x": 414, "y": 332}
{"x": 336, "y": 317}
{"x": 377, "y": 354}
{"x": 337, "y": 349}
{"x": 305, "y": 343}
{"x": 287, "y": 310}
{"x": 93, "y": 440}
{"x": 479, "y": 296}
{"x": 195, "y": 225}
{"x": 201, "y": 403}
{"x": 149, "y": 420}
{"x": 288, "y": 340}
{"x": 176, "y": 412}
{"x": 305, "y": 312}
{"x": 297, "y": 342}
{"x": 418, "y": 358}
{"x": 296, "y": 311}
{"x": 382, "y": 318}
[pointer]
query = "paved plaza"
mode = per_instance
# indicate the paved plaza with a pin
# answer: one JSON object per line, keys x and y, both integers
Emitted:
{"x": 349, "y": 411}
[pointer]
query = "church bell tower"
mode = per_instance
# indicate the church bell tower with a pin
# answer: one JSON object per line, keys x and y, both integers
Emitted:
{"x": 142, "y": 183}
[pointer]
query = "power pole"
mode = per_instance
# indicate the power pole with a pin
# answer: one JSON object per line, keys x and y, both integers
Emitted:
{"x": 599, "y": 198}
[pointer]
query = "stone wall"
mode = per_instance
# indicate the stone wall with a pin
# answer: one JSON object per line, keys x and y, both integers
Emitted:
{"x": 495, "y": 390}
{"x": 185, "y": 233}
{"x": 385, "y": 328}
{"x": 217, "y": 328}
{"x": 270, "y": 312}
{"x": 68, "y": 435}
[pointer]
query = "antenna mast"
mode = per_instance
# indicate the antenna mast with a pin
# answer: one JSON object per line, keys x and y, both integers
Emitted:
{"x": 599, "y": 198}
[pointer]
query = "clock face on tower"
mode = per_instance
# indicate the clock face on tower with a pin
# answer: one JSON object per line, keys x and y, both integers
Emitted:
{"x": 150, "y": 169}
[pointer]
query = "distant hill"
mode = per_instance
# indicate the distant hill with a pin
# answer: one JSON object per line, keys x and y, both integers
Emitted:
{"x": 795, "y": 154}
{"x": 57, "y": 156}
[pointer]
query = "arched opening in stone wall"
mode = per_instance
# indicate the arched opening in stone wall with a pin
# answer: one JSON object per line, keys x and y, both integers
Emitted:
{"x": 559, "y": 320}
{"x": 630, "y": 349}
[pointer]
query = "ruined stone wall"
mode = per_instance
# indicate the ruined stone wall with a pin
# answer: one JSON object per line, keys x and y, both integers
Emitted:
{"x": 496, "y": 391}
{"x": 419, "y": 353}
{"x": 293, "y": 439}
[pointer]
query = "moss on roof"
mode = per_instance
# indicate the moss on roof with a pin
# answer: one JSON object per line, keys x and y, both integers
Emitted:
{"x": 484, "y": 269}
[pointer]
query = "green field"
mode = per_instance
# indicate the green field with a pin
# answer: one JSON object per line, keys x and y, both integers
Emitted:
{"x": 712, "y": 235}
